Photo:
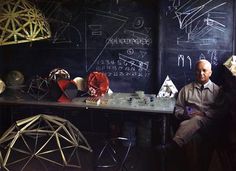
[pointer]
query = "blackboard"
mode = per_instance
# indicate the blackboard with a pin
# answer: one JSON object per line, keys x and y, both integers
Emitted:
{"x": 192, "y": 30}
{"x": 113, "y": 36}
{"x": 136, "y": 42}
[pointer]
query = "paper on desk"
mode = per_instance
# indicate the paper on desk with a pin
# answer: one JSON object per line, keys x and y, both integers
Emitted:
{"x": 167, "y": 89}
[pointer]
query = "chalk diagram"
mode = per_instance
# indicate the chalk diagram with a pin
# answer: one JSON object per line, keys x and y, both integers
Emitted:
{"x": 96, "y": 32}
{"x": 108, "y": 38}
{"x": 186, "y": 60}
{"x": 62, "y": 22}
{"x": 135, "y": 62}
{"x": 103, "y": 32}
{"x": 198, "y": 21}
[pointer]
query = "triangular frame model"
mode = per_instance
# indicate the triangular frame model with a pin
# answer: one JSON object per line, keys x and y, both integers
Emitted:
{"x": 44, "y": 138}
{"x": 167, "y": 89}
{"x": 21, "y": 22}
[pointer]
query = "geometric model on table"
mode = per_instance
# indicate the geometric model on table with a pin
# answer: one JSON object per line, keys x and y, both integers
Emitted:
{"x": 44, "y": 140}
{"x": 167, "y": 89}
{"x": 38, "y": 88}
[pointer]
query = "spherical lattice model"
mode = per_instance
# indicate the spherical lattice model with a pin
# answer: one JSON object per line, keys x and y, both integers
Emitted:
{"x": 58, "y": 73}
{"x": 21, "y": 22}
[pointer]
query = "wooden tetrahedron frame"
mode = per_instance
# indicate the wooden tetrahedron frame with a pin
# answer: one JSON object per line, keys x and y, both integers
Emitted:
{"x": 44, "y": 138}
{"x": 21, "y": 22}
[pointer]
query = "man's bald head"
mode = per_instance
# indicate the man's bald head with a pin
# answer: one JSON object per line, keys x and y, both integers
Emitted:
{"x": 205, "y": 62}
{"x": 203, "y": 71}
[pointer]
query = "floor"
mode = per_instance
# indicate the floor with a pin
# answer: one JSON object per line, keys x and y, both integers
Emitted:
{"x": 139, "y": 159}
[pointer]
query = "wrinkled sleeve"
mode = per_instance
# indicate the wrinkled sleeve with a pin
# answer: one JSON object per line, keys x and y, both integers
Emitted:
{"x": 180, "y": 105}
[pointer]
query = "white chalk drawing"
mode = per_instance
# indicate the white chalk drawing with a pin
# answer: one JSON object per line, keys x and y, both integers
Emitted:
{"x": 96, "y": 30}
{"x": 148, "y": 29}
{"x": 121, "y": 68}
{"x": 62, "y": 36}
{"x": 198, "y": 20}
{"x": 129, "y": 41}
{"x": 95, "y": 27}
{"x": 139, "y": 39}
{"x": 138, "y": 22}
{"x": 181, "y": 61}
{"x": 118, "y": 19}
{"x": 136, "y": 34}
{"x": 130, "y": 51}
{"x": 187, "y": 15}
{"x": 190, "y": 62}
{"x": 140, "y": 64}
{"x": 48, "y": 7}
{"x": 143, "y": 54}
{"x": 202, "y": 56}
{"x": 211, "y": 56}
{"x": 62, "y": 20}
{"x": 174, "y": 4}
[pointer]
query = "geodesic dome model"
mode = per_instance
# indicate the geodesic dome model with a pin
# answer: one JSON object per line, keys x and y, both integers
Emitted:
{"x": 21, "y": 22}
{"x": 42, "y": 138}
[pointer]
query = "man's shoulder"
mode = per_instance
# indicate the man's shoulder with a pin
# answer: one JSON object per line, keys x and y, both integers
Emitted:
{"x": 215, "y": 86}
{"x": 190, "y": 85}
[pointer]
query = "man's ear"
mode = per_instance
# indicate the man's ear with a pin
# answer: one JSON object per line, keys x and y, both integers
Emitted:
{"x": 210, "y": 73}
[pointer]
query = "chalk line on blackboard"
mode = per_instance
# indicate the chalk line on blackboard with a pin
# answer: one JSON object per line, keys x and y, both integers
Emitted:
{"x": 90, "y": 63}
{"x": 135, "y": 62}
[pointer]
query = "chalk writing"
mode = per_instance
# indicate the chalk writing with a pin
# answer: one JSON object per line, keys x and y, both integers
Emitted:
{"x": 211, "y": 57}
{"x": 135, "y": 62}
{"x": 138, "y": 22}
{"x": 181, "y": 61}
{"x": 96, "y": 29}
{"x": 117, "y": 20}
{"x": 129, "y": 41}
{"x": 121, "y": 68}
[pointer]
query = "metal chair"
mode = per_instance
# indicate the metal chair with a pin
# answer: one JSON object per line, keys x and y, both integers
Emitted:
{"x": 114, "y": 154}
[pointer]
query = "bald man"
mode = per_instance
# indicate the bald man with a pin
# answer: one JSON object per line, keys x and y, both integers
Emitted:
{"x": 193, "y": 104}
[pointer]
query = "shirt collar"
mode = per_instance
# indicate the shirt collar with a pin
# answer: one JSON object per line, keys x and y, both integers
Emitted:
{"x": 207, "y": 85}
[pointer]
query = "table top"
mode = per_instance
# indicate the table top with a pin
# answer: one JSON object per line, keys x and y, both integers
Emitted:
{"x": 116, "y": 101}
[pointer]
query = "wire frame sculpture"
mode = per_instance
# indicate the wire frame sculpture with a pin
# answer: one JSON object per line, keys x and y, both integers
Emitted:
{"x": 45, "y": 139}
{"x": 21, "y": 22}
{"x": 114, "y": 154}
{"x": 38, "y": 88}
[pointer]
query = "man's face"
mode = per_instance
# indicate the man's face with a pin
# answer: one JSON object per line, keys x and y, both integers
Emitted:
{"x": 203, "y": 72}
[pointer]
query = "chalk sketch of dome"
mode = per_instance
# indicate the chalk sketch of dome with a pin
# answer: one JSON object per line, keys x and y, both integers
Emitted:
{"x": 67, "y": 34}
{"x": 42, "y": 139}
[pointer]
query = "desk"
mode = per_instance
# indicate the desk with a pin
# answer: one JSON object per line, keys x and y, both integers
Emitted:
{"x": 155, "y": 107}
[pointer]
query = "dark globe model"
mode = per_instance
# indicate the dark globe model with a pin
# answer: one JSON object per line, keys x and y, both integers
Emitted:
{"x": 14, "y": 78}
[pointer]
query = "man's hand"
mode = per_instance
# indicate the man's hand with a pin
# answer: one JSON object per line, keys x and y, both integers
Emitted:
{"x": 199, "y": 113}
{"x": 193, "y": 112}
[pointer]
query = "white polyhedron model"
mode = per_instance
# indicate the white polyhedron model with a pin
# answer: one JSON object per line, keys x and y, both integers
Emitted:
{"x": 167, "y": 89}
